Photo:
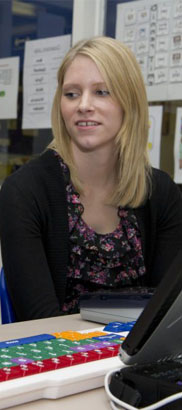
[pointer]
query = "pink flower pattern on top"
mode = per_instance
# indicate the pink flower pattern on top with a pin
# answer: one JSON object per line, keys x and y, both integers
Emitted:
{"x": 96, "y": 261}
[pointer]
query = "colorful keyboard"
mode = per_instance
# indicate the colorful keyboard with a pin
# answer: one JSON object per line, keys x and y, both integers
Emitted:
{"x": 58, "y": 364}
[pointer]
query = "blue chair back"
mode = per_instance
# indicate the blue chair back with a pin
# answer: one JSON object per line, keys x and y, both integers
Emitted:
{"x": 7, "y": 314}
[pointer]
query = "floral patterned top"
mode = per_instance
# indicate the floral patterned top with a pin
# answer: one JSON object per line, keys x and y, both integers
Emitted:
{"x": 99, "y": 261}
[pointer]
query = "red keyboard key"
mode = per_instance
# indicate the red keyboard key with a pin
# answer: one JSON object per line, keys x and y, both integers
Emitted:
{"x": 90, "y": 356}
{"x": 55, "y": 363}
{"x": 33, "y": 368}
{"x": 80, "y": 358}
{"x": 114, "y": 350}
{"x": 73, "y": 359}
{"x": 9, "y": 373}
{"x": 105, "y": 353}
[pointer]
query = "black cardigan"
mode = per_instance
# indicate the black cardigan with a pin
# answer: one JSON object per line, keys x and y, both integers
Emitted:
{"x": 35, "y": 238}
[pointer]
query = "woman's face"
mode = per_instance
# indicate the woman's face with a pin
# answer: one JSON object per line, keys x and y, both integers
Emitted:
{"x": 91, "y": 116}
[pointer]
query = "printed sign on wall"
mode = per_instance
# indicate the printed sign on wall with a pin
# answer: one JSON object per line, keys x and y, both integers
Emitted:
{"x": 154, "y": 140}
{"x": 42, "y": 60}
{"x": 178, "y": 148}
{"x": 9, "y": 80}
{"x": 153, "y": 31}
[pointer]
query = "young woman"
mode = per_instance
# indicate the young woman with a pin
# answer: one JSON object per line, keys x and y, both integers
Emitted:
{"x": 89, "y": 213}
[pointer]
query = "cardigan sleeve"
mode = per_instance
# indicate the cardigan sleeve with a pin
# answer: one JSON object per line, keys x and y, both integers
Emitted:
{"x": 165, "y": 225}
{"x": 24, "y": 258}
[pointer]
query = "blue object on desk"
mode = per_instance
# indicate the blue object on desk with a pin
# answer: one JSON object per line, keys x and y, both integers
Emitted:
{"x": 7, "y": 313}
{"x": 119, "y": 326}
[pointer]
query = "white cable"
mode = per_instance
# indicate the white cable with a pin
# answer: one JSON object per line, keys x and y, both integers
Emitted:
{"x": 127, "y": 406}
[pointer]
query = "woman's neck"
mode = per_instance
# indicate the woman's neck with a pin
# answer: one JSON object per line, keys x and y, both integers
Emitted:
{"x": 96, "y": 170}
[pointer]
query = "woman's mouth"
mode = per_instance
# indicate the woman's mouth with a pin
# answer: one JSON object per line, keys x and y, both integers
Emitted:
{"x": 87, "y": 123}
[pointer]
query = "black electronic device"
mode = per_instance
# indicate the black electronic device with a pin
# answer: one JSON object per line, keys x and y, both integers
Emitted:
{"x": 157, "y": 334}
{"x": 144, "y": 385}
{"x": 153, "y": 349}
{"x": 123, "y": 305}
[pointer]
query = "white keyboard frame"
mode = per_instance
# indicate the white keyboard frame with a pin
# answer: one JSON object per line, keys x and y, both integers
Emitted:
{"x": 58, "y": 383}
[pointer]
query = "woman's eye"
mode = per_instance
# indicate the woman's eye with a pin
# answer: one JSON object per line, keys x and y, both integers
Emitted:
{"x": 102, "y": 92}
{"x": 71, "y": 95}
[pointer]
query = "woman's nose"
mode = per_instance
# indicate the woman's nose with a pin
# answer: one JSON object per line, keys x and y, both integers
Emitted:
{"x": 86, "y": 102}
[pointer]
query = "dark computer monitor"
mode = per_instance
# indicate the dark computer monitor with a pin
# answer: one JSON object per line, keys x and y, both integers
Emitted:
{"x": 157, "y": 334}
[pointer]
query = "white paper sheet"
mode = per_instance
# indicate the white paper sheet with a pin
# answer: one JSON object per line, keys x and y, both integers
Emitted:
{"x": 42, "y": 60}
{"x": 153, "y": 30}
{"x": 178, "y": 148}
{"x": 154, "y": 140}
{"x": 9, "y": 80}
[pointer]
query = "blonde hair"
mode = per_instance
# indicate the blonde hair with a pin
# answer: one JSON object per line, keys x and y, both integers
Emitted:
{"x": 124, "y": 80}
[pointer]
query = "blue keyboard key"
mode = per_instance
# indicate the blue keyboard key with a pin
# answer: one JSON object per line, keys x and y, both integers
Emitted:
{"x": 106, "y": 337}
{"x": 26, "y": 340}
{"x": 119, "y": 326}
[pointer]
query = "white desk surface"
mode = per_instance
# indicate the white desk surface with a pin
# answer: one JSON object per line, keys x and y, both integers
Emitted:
{"x": 92, "y": 399}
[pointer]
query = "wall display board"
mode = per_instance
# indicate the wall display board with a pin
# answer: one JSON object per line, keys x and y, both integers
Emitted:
{"x": 9, "y": 80}
{"x": 178, "y": 148}
{"x": 153, "y": 30}
{"x": 42, "y": 60}
{"x": 154, "y": 140}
